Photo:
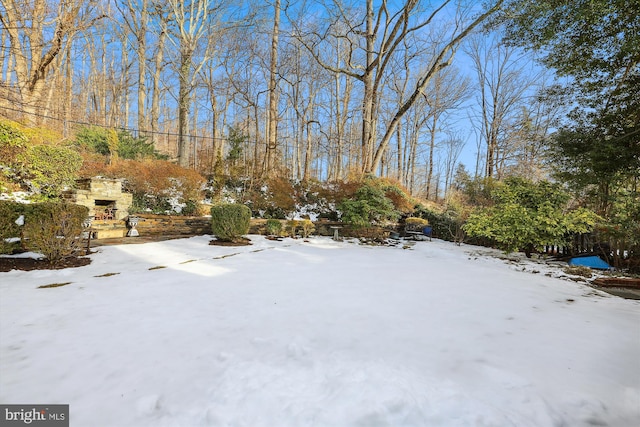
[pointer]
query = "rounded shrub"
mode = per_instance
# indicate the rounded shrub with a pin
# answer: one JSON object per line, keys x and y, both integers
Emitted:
{"x": 273, "y": 227}
{"x": 229, "y": 222}
{"x": 55, "y": 229}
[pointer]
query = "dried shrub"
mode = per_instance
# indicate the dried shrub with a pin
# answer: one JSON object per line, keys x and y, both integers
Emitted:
{"x": 203, "y": 209}
{"x": 55, "y": 229}
{"x": 272, "y": 198}
{"x": 282, "y": 193}
{"x": 416, "y": 222}
{"x": 398, "y": 195}
{"x": 229, "y": 222}
{"x": 370, "y": 234}
{"x": 292, "y": 227}
{"x": 93, "y": 164}
{"x": 307, "y": 227}
{"x": 157, "y": 185}
{"x": 339, "y": 191}
{"x": 578, "y": 270}
{"x": 160, "y": 178}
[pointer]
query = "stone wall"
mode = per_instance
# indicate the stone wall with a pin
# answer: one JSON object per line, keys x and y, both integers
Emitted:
{"x": 169, "y": 225}
{"x": 322, "y": 228}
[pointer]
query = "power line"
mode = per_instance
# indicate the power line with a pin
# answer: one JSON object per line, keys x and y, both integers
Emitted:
{"x": 127, "y": 129}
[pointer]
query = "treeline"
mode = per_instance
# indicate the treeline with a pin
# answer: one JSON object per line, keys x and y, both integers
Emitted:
{"x": 317, "y": 90}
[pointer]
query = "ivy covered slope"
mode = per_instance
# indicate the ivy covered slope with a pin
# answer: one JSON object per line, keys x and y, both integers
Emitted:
{"x": 31, "y": 161}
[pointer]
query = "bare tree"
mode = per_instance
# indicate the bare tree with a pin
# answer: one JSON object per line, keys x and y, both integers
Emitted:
{"x": 504, "y": 85}
{"x": 135, "y": 16}
{"x": 193, "y": 21}
{"x": 442, "y": 59}
{"x": 272, "y": 112}
{"x": 375, "y": 42}
{"x": 38, "y": 32}
{"x": 452, "y": 146}
{"x": 447, "y": 90}
{"x": 160, "y": 18}
{"x": 242, "y": 66}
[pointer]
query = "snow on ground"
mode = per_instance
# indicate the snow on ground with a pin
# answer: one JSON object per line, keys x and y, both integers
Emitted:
{"x": 317, "y": 333}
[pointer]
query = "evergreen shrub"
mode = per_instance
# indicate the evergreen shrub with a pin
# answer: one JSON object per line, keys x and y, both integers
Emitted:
{"x": 9, "y": 213}
{"x": 49, "y": 169}
{"x": 118, "y": 143}
{"x": 274, "y": 227}
{"x": 229, "y": 222}
{"x": 12, "y": 142}
{"x": 369, "y": 206}
{"x": 528, "y": 215}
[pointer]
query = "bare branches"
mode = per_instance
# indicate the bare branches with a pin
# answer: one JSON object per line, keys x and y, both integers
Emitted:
{"x": 28, "y": 25}
{"x": 442, "y": 59}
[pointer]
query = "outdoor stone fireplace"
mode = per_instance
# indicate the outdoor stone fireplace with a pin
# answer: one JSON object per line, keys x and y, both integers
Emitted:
{"x": 103, "y": 197}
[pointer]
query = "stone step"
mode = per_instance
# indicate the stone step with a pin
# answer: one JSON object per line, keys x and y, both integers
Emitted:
{"x": 109, "y": 233}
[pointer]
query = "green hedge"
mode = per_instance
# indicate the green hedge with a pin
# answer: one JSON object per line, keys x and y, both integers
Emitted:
{"x": 229, "y": 222}
{"x": 9, "y": 213}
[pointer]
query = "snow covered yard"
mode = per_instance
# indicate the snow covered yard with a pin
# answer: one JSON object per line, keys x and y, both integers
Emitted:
{"x": 318, "y": 333}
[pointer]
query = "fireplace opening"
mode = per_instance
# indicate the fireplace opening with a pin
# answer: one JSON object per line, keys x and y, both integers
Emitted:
{"x": 103, "y": 204}
{"x": 105, "y": 209}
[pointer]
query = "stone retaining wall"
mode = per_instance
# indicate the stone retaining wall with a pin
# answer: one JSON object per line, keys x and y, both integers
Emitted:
{"x": 158, "y": 225}
{"x": 167, "y": 225}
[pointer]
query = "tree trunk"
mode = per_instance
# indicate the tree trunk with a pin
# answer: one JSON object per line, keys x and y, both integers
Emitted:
{"x": 155, "y": 84}
{"x": 68, "y": 96}
{"x": 432, "y": 149}
{"x": 368, "y": 121}
{"x": 184, "y": 99}
{"x": 142, "y": 66}
{"x": 272, "y": 143}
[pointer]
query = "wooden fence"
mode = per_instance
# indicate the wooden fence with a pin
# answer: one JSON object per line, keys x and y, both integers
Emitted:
{"x": 617, "y": 252}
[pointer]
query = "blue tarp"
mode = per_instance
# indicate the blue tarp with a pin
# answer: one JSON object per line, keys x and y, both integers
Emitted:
{"x": 590, "y": 261}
